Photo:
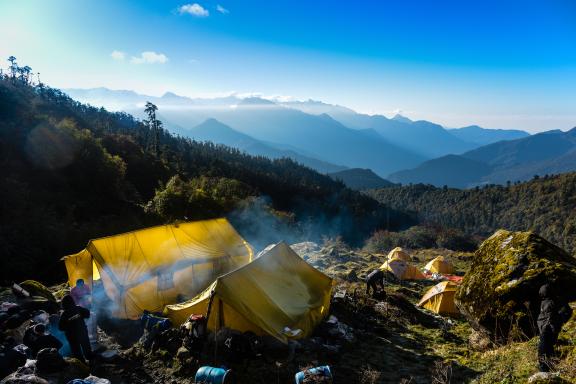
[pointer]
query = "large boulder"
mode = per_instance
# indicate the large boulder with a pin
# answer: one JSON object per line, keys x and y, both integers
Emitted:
{"x": 499, "y": 295}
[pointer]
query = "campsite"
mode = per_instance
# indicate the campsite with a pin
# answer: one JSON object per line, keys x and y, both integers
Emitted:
{"x": 266, "y": 315}
{"x": 287, "y": 192}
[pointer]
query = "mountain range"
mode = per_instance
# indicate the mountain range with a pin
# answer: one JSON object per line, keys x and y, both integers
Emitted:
{"x": 322, "y": 136}
{"x": 549, "y": 152}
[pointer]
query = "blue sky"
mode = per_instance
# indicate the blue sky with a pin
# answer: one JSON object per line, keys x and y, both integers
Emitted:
{"x": 500, "y": 64}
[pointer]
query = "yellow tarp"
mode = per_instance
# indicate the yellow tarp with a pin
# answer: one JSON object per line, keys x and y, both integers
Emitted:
{"x": 150, "y": 268}
{"x": 276, "y": 290}
{"x": 439, "y": 265}
{"x": 402, "y": 270}
{"x": 440, "y": 299}
{"x": 399, "y": 253}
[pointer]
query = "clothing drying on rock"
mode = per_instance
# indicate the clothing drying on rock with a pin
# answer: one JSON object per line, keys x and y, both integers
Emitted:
{"x": 74, "y": 327}
{"x": 373, "y": 280}
{"x": 553, "y": 315}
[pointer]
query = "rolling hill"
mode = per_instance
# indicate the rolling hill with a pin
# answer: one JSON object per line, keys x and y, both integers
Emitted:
{"x": 360, "y": 179}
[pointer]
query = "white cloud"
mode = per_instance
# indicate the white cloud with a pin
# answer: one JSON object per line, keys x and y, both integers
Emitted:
{"x": 194, "y": 10}
{"x": 118, "y": 55}
{"x": 149, "y": 57}
{"x": 222, "y": 10}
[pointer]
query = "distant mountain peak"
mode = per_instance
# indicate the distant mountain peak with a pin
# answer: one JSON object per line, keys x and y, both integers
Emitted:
{"x": 256, "y": 101}
{"x": 402, "y": 119}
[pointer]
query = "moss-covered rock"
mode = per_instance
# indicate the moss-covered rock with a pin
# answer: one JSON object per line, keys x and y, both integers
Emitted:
{"x": 37, "y": 289}
{"x": 499, "y": 295}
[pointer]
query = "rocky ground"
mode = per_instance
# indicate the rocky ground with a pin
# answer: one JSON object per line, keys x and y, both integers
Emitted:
{"x": 378, "y": 341}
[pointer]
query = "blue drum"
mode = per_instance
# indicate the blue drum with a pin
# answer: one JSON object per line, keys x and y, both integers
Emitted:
{"x": 320, "y": 372}
{"x": 211, "y": 375}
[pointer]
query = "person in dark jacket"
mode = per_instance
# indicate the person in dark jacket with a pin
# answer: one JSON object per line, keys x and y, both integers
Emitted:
{"x": 373, "y": 280}
{"x": 36, "y": 338}
{"x": 553, "y": 315}
{"x": 74, "y": 327}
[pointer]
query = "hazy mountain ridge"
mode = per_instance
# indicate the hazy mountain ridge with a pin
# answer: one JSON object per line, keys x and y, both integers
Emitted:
{"x": 219, "y": 133}
{"x": 513, "y": 160}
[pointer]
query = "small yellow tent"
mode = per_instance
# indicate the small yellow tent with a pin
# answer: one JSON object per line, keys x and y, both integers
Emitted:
{"x": 402, "y": 270}
{"x": 440, "y": 299}
{"x": 276, "y": 290}
{"x": 439, "y": 265}
{"x": 399, "y": 253}
{"x": 150, "y": 268}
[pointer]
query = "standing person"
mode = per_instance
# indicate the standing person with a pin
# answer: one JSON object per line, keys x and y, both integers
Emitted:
{"x": 74, "y": 327}
{"x": 373, "y": 280}
{"x": 553, "y": 315}
{"x": 81, "y": 294}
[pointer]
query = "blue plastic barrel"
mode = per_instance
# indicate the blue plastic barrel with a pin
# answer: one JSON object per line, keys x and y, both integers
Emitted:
{"x": 322, "y": 371}
{"x": 211, "y": 375}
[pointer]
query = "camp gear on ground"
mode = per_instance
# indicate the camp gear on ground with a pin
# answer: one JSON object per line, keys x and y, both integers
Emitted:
{"x": 194, "y": 332}
{"x": 274, "y": 291}
{"x": 74, "y": 327}
{"x": 153, "y": 326}
{"x": 440, "y": 299}
{"x": 150, "y": 268}
{"x": 49, "y": 360}
{"x": 439, "y": 265}
{"x": 36, "y": 338}
{"x": 11, "y": 358}
{"x": 402, "y": 270}
{"x": 212, "y": 375}
{"x": 320, "y": 374}
{"x": 399, "y": 253}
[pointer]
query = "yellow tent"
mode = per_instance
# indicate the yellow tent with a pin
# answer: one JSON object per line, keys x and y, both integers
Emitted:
{"x": 278, "y": 294}
{"x": 399, "y": 253}
{"x": 402, "y": 270}
{"x": 439, "y": 265}
{"x": 440, "y": 299}
{"x": 150, "y": 268}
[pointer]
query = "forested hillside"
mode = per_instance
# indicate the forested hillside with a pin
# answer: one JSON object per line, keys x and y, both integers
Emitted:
{"x": 545, "y": 205}
{"x": 71, "y": 172}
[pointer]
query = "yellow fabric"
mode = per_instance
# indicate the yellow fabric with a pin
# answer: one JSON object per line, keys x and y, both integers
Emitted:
{"x": 399, "y": 253}
{"x": 276, "y": 290}
{"x": 402, "y": 270}
{"x": 149, "y": 268}
{"x": 439, "y": 265}
{"x": 440, "y": 299}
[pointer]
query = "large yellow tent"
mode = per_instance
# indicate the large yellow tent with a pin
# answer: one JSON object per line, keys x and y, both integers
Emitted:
{"x": 152, "y": 267}
{"x": 278, "y": 294}
{"x": 440, "y": 299}
{"x": 398, "y": 253}
{"x": 439, "y": 265}
{"x": 402, "y": 270}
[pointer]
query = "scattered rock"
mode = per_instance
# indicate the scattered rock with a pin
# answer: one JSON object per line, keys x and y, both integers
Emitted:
{"x": 545, "y": 378}
{"x": 499, "y": 295}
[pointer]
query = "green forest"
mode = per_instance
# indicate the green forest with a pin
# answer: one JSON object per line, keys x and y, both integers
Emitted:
{"x": 546, "y": 205}
{"x": 72, "y": 172}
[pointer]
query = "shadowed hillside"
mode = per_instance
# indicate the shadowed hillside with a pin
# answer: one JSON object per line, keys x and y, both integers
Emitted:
{"x": 72, "y": 172}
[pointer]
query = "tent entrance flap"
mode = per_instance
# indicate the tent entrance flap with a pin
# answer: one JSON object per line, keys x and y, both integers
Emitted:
{"x": 152, "y": 267}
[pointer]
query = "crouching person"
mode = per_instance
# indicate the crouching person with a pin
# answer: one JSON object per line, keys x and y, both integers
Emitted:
{"x": 374, "y": 280}
{"x": 74, "y": 327}
{"x": 554, "y": 313}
